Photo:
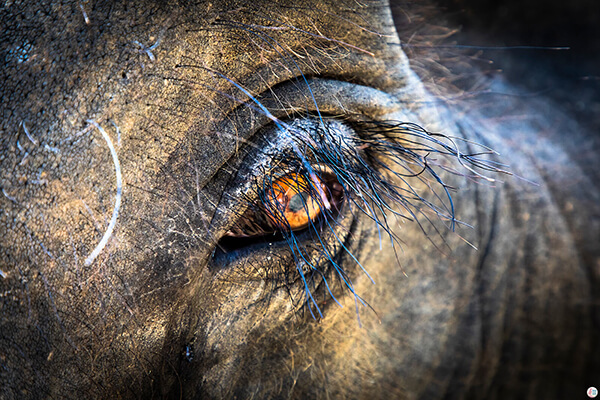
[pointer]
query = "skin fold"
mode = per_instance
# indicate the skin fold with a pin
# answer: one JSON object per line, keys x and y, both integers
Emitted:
{"x": 183, "y": 101}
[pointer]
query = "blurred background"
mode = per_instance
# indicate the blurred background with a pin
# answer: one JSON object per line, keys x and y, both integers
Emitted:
{"x": 570, "y": 77}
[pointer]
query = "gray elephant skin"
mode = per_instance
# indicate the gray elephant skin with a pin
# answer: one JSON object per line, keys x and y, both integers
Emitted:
{"x": 453, "y": 253}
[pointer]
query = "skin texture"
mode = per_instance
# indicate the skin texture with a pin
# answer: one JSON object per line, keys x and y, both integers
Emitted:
{"x": 156, "y": 315}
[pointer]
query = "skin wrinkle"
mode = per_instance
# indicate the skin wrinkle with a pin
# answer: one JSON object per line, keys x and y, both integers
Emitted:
{"x": 152, "y": 317}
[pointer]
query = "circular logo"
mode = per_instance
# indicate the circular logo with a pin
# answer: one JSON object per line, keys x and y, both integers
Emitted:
{"x": 592, "y": 392}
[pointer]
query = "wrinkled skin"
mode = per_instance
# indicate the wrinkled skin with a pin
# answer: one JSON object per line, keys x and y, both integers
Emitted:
{"x": 153, "y": 315}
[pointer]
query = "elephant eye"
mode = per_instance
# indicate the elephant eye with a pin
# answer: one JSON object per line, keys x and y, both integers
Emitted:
{"x": 291, "y": 202}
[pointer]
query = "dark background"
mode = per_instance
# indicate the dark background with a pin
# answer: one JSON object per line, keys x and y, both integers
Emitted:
{"x": 571, "y": 77}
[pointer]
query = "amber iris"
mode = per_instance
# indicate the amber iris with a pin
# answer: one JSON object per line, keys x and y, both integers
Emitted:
{"x": 295, "y": 201}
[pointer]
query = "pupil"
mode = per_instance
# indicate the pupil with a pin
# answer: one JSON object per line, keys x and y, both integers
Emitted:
{"x": 298, "y": 202}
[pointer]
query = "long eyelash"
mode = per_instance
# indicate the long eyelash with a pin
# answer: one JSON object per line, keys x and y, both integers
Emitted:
{"x": 375, "y": 170}
{"x": 370, "y": 168}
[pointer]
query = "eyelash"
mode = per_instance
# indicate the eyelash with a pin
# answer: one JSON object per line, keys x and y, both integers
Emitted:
{"x": 370, "y": 166}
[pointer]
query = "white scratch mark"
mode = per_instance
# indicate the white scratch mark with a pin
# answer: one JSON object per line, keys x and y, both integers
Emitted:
{"x": 2, "y": 274}
{"x": 113, "y": 220}
{"x": 24, "y": 158}
{"x": 89, "y": 210}
{"x": 78, "y": 134}
{"x": 148, "y": 50}
{"x": 85, "y": 16}
{"x": 35, "y": 142}
{"x": 46, "y": 250}
{"x": 118, "y": 133}
{"x": 52, "y": 149}
{"x": 19, "y": 146}
{"x": 8, "y": 196}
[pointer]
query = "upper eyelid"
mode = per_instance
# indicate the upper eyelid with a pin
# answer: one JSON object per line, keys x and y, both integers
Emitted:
{"x": 333, "y": 97}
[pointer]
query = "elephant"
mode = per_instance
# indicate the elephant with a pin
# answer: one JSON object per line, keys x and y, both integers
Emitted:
{"x": 289, "y": 199}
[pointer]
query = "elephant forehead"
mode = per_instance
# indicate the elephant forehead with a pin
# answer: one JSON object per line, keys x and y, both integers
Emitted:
{"x": 90, "y": 57}
{"x": 152, "y": 73}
